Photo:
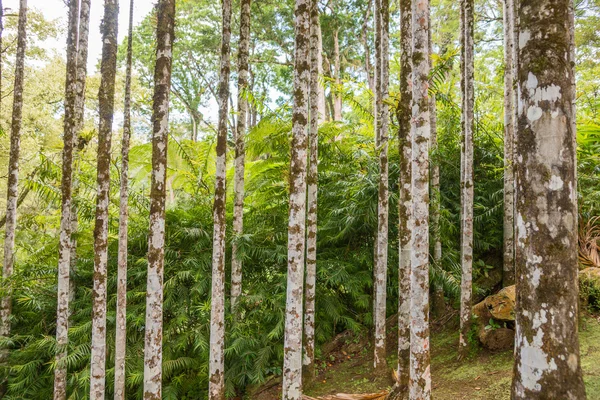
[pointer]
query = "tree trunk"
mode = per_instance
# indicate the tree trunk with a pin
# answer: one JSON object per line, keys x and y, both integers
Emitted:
{"x": 312, "y": 183}
{"x": 420, "y": 375}
{"x": 12, "y": 186}
{"x": 217, "y": 311}
{"x": 121, "y": 318}
{"x": 547, "y": 361}
{"x": 380, "y": 283}
{"x": 337, "y": 97}
{"x": 405, "y": 196}
{"x": 165, "y": 30}
{"x": 365, "y": 41}
{"x": 438, "y": 301}
{"x": 1, "y": 31}
{"x": 508, "y": 276}
{"x": 64, "y": 244}
{"x": 467, "y": 177}
{"x": 238, "y": 207}
{"x": 106, "y": 100}
{"x": 292, "y": 356}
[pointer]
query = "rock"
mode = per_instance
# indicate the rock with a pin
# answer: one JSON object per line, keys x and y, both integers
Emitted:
{"x": 499, "y": 306}
{"x": 497, "y": 338}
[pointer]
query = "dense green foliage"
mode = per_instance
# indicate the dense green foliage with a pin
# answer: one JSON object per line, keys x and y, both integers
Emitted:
{"x": 348, "y": 179}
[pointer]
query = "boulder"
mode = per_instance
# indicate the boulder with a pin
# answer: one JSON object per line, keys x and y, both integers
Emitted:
{"x": 495, "y": 319}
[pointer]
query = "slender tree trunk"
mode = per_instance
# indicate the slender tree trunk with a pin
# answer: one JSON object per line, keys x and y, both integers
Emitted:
{"x": 420, "y": 374}
{"x": 165, "y": 31}
{"x": 1, "y": 31}
{"x": 508, "y": 276}
{"x": 121, "y": 319}
{"x": 12, "y": 186}
{"x": 217, "y": 312}
{"x": 311, "y": 218}
{"x": 64, "y": 244}
{"x": 547, "y": 361}
{"x": 292, "y": 356}
{"x": 106, "y": 100}
{"x": 240, "y": 150}
{"x": 365, "y": 41}
{"x": 381, "y": 259}
{"x": 337, "y": 98}
{"x": 405, "y": 196}
{"x": 321, "y": 100}
{"x": 438, "y": 301}
{"x": 467, "y": 179}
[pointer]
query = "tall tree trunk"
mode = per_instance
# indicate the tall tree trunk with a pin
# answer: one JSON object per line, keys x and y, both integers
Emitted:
{"x": 508, "y": 276}
{"x": 438, "y": 301}
{"x": 240, "y": 150}
{"x": 1, "y": 32}
{"x": 337, "y": 97}
{"x": 292, "y": 356}
{"x": 312, "y": 183}
{"x": 165, "y": 31}
{"x": 217, "y": 311}
{"x": 12, "y": 186}
{"x": 420, "y": 374}
{"x": 121, "y": 318}
{"x": 380, "y": 285}
{"x": 64, "y": 244}
{"x": 106, "y": 100}
{"x": 467, "y": 177}
{"x": 321, "y": 100}
{"x": 364, "y": 37}
{"x": 547, "y": 361}
{"x": 405, "y": 195}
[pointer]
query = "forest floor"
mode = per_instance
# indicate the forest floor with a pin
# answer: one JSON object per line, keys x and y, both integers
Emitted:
{"x": 346, "y": 363}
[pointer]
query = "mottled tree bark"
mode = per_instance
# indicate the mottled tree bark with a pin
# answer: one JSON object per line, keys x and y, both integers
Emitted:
{"x": 466, "y": 290}
{"x": 106, "y": 100}
{"x": 322, "y": 106}
{"x": 12, "y": 186}
{"x": 156, "y": 240}
{"x": 364, "y": 37}
{"x": 121, "y": 318}
{"x": 240, "y": 151}
{"x": 337, "y": 76}
{"x": 216, "y": 376}
{"x": 312, "y": 179}
{"x": 508, "y": 276}
{"x": 64, "y": 244}
{"x": 420, "y": 374}
{"x": 380, "y": 282}
{"x": 292, "y": 348}
{"x": 405, "y": 196}
{"x": 547, "y": 364}
{"x": 1, "y": 31}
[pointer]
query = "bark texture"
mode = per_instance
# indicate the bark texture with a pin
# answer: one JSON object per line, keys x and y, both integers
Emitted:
{"x": 216, "y": 386}
{"x": 508, "y": 276}
{"x": 12, "y": 186}
{"x": 547, "y": 363}
{"x": 156, "y": 239}
{"x": 64, "y": 244}
{"x": 467, "y": 9}
{"x": 240, "y": 150}
{"x": 405, "y": 196}
{"x": 121, "y": 318}
{"x": 337, "y": 75}
{"x": 1, "y": 31}
{"x": 312, "y": 179}
{"x": 420, "y": 374}
{"x": 381, "y": 258}
{"x": 292, "y": 348}
{"x": 106, "y": 101}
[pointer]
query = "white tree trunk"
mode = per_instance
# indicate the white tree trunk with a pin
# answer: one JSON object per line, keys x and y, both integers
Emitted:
{"x": 216, "y": 378}
{"x": 321, "y": 100}
{"x": 121, "y": 318}
{"x": 337, "y": 98}
{"x": 12, "y": 186}
{"x": 292, "y": 348}
{"x": 467, "y": 175}
{"x": 106, "y": 99}
{"x": 380, "y": 283}
{"x": 156, "y": 238}
{"x": 547, "y": 363}
{"x": 405, "y": 196}
{"x": 420, "y": 373}
{"x": 508, "y": 276}
{"x": 238, "y": 206}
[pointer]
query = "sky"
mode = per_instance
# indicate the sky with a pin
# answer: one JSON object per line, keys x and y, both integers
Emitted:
{"x": 57, "y": 9}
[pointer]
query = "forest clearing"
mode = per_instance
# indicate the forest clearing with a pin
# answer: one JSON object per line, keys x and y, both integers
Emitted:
{"x": 300, "y": 199}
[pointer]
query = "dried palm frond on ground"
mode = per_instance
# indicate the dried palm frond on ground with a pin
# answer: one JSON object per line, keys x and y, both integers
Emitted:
{"x": 589, "y": 242}
{"x": 342, "y": 396}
